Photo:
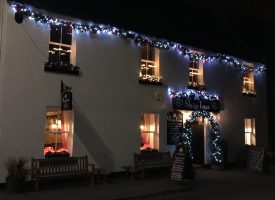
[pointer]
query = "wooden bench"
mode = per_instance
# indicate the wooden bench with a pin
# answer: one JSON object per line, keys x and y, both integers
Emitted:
{"x": 152, "y": 160}
{"x": 60, "y": 167}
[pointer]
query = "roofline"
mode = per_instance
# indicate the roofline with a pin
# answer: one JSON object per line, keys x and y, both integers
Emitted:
{"x": 39, "y": 16}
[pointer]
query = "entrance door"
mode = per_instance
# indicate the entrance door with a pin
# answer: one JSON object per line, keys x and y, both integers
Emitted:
{"x": 198, "y": 142}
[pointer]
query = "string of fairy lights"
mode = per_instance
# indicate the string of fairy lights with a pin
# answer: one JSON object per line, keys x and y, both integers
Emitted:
{"x": 192, "y": 94}
{"x": 216, "y": 137}
{"x": 40, "y": 17}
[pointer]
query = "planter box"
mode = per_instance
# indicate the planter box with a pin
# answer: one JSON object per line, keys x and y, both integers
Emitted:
{"x": 61, "y": 68}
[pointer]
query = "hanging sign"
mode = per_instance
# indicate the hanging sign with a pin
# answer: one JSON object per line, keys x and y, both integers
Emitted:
{"x": 66, "y": 97}
{"x": 174, "y": 127}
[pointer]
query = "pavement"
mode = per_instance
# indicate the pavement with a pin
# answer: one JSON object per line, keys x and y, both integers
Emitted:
{"x": 127, "y": 188}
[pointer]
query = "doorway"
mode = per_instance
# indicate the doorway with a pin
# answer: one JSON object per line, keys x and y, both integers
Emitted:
{"x": 198, "y": 141}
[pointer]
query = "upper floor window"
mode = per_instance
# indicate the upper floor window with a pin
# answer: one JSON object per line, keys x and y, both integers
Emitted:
{"x": 60, "y": 44}
{"x": 248, "y": 83}
{"x": 195, "y": 80}
{"x": 249, "y": 131}
{"x": 149, "y": 68}
{"x": 61, "y": 51}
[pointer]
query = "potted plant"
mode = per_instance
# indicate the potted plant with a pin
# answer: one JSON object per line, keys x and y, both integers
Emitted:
{"x": 17, "y": 174}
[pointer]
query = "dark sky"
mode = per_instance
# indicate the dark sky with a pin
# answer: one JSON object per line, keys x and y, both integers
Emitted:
{"x": 243, "y": 28}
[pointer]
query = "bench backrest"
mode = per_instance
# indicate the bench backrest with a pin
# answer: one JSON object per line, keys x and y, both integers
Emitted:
{"x": 59, "y": 165}
{"x": 152, "y": 159}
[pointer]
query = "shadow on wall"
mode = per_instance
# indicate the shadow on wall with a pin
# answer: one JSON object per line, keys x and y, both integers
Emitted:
{"x": 92, "y": 141}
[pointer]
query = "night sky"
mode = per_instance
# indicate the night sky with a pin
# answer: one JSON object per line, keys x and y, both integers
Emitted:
{"x": 242, "y": 28}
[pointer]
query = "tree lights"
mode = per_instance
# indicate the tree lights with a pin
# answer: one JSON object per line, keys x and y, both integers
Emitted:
{"x": 38, "y": 16}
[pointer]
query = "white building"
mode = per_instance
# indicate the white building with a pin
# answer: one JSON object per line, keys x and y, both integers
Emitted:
{"x": 114, "y": 112}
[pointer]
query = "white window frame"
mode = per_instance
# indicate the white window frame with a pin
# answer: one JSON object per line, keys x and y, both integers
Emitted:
{"x": 195, "y": 69}
{"x": 248, "y": 83}
{"x": 156, "y": 129}
{"x": 250, "y": 131}
{"x": 60, "y": 45}
{"x": 146, "y": 63}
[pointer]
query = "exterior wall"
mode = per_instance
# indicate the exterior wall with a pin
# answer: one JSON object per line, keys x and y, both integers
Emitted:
{"x": 107, "y": 97}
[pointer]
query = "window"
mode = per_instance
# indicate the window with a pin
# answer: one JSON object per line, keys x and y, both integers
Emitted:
{"x": 149, "y": 127}
{"x": 248, "y": 83}
{"x": 149, "y": 69}
{"x": 249, "y": 131}
{"x": 195, "y": 74}
{"x": 60, "y": 44}
{"x": 58, "y": 132}
{"x": 62, "y": 51}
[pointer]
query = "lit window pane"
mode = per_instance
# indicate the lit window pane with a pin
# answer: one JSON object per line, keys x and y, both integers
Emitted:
{"x": 54, "y": 53}
{"x": 250, "y": 133}
{"x": 149, "y": 131}
{"x": 65, "y": 54}
{"x": 248, "y": 138}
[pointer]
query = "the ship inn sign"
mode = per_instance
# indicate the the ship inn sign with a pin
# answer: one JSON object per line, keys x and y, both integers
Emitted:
{"x": 195, "y": 101}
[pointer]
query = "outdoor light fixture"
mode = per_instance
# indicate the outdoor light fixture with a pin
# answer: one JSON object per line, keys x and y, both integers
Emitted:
{"x": 19, "y": 17}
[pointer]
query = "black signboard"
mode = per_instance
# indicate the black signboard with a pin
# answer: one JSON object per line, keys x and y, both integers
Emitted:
{"x": 66, "y": 97}
{"x": 174, "y": 127}
{"x": 255, "y": 159}
{"x": 178, "y": 164}
{"x": 188, "y": 103}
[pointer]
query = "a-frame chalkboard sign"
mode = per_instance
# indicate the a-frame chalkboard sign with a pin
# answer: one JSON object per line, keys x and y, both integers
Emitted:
{"x": 255, "y": 159}
{"x": 181, "y": 165}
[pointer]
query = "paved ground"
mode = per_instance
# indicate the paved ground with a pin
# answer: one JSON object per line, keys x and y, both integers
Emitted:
{"x": 209, "y": 184}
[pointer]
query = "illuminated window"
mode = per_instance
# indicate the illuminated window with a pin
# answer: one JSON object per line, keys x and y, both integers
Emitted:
{"x": 149, "y": 128}
{"x": 249, "y": 131}
{"x": 60, "y": 46}
{"x": 248, "y": 83}
{"x": 195, "y": 80}
{"x": 149, "y": 69}
{"x": 58, "y": 132}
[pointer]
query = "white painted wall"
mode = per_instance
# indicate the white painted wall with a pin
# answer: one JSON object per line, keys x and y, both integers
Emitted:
{"x": 107, "y": 98}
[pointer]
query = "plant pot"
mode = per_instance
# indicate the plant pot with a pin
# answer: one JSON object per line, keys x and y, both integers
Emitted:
{"x": 15, "y": 185}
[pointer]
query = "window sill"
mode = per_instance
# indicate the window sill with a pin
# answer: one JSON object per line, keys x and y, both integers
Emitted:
{"x": 148, "y": 82}
{"x": 250, "y": 94}
{"x": 61, "y": 68}
{"x": 197, "y": 87}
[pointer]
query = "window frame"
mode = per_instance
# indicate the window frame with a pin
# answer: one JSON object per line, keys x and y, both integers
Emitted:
{"x": 250, "y": 135}
{"x": 146, "y": 131}
{"x": 248, "y": 87}
{"x": 151, "y": 78}
{"x": 195, "y": 69}
{"x": 60, "y": 44}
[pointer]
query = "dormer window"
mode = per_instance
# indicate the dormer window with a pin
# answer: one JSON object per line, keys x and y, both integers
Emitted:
{"x": 195, "y": 80}
{"x": 248, "y": 83}
{"x": 149, "y": 67}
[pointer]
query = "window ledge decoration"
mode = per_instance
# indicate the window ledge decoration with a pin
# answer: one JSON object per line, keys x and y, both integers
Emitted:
{"x": 196, "y": 86}
{"x": 251, "y": 93}
{"x": 195, "y": 100}
{"x": 63, "y": 68}
{"x": 50, "y": 152}
{"x": 150, "y": 80}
